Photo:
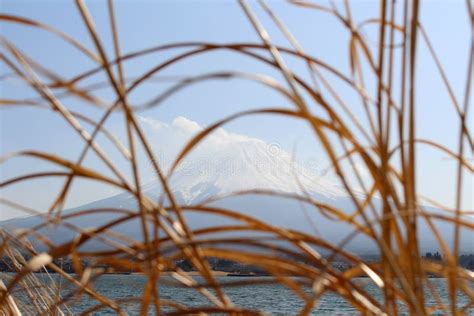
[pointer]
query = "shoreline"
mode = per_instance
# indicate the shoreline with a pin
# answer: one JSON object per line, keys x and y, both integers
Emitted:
{"x": 213, "y": 273}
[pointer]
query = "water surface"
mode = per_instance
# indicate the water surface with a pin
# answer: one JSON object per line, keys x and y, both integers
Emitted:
{"x": 272, "y": 298}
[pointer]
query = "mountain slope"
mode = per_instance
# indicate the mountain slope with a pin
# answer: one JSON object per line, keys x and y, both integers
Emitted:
{"x": 227, "y": 163}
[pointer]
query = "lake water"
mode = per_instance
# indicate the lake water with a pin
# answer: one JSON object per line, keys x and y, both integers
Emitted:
{"x": 271, "y": 298}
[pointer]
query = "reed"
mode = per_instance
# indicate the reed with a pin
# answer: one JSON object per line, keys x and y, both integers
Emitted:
{"x": 386, "y": 146}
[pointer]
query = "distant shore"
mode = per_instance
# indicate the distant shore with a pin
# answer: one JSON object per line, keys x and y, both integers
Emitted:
{"x": 191, "y": 273}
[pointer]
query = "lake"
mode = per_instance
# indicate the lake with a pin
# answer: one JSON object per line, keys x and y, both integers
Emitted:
{"x": 271, "y": 298}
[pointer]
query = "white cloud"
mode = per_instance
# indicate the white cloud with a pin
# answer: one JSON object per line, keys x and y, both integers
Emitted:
{"x": 186, "y": 125}
{"x": 182, "y": 129}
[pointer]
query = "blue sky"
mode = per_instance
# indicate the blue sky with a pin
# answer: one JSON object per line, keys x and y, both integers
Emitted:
{"x": 144, "y": 24}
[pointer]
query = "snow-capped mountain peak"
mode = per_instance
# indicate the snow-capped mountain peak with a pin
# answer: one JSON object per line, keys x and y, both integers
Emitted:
{"x": 227, "y": 163}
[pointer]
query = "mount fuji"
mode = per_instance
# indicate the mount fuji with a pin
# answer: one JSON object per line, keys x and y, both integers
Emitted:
{"x": 226, "y": 163}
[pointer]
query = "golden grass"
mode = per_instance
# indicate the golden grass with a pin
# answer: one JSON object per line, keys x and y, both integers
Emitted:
{"x": 388, "y": 152}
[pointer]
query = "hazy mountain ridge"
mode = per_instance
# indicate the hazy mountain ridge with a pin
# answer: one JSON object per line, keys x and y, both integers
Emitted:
{"x": 274, "y": 210}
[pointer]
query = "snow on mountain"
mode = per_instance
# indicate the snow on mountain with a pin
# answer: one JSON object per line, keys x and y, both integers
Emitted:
{"x": 225, "y": 162}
